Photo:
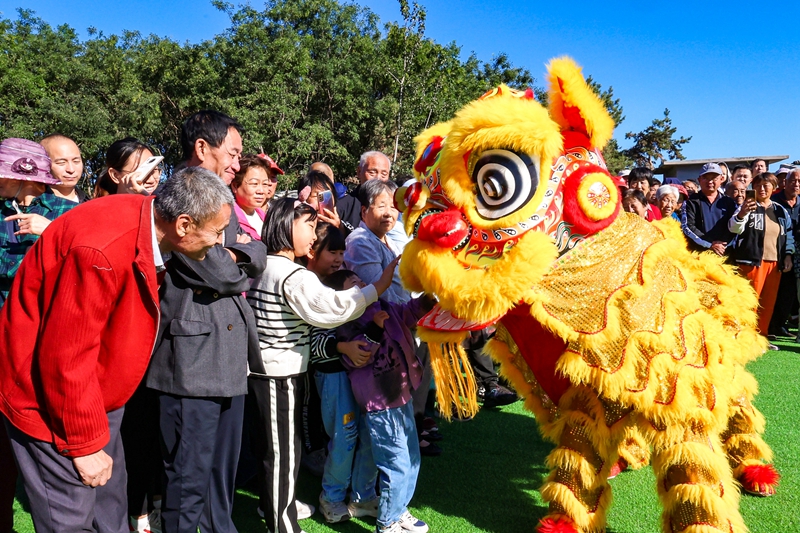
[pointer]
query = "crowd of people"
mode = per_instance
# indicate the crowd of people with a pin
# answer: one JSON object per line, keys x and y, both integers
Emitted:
{"x": 170, "y": 339}
{"x": 749, "y": 216}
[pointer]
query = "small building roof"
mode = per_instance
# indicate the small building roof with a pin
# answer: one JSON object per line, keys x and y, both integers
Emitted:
{"x": 730, "y": 161}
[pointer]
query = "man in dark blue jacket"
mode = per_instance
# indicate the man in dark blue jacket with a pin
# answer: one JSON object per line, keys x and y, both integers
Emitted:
{"x": 708, "y": 213}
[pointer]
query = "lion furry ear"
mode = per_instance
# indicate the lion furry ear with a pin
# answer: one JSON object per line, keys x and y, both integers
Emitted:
{"x": 573, "y": 104}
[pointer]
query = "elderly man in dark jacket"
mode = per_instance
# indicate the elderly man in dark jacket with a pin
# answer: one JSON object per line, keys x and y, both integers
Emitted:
{"x": 199, "y": 364}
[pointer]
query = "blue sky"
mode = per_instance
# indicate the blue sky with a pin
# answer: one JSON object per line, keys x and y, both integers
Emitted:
{"x": 728, "y": 71}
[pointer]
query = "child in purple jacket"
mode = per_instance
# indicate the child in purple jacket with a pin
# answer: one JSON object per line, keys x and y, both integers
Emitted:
{"x": 382, "y": 383}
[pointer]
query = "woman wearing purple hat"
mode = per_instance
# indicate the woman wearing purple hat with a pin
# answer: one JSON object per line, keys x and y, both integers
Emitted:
{"x": 29, "y": 203}
{"x": 28, "y": 206}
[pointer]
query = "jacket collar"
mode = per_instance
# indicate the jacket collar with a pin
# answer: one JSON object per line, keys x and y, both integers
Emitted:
{"x": 144, "y": 260}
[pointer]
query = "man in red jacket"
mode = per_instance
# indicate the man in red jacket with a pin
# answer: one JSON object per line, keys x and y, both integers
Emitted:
{"x": 78, "y": 329}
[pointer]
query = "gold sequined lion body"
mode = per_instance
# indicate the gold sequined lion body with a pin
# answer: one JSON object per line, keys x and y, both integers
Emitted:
{"x": 620, "y": 340}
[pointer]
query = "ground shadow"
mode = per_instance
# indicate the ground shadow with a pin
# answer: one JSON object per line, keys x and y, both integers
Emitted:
{"x": 488, "y": 473}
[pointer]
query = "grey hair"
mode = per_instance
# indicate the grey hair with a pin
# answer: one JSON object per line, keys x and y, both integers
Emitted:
{"x": 793, "y": 171}
{"x": 668, "y": 189}
{"x": 192, "y": 191}
{"x": 366, "y": 156}
{"x": 369, "y": 190}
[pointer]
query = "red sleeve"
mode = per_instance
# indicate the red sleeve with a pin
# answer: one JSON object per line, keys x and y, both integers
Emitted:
{"x": 655, "y": 212}
{"x": 68, "y": 349}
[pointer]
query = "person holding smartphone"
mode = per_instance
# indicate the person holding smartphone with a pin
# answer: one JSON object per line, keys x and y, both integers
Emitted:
{"x": 322, "y": 197}
{"x": 131, "y": 168}
{"x": 764, "y": 244}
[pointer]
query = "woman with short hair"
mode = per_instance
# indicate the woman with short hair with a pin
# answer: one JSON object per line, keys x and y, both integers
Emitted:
{"x": 764, "y": 244}
{"x": 253, "y": 186}
{"x": 667, "y": 198}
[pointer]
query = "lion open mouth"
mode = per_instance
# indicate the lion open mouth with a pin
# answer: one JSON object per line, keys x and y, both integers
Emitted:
{"x": 440, "y": 319}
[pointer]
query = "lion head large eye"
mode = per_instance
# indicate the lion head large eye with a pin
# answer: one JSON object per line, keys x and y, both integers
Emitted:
{"x": 506, "y": 181}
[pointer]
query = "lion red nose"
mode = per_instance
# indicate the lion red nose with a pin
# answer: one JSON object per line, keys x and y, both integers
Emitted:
{"x": 445, "y": 229}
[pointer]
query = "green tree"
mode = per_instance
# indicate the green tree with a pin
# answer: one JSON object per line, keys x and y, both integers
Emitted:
{"x": 426, "y": 83}
{"x": 654, "y": 144}
{"x": 310, "y": 80}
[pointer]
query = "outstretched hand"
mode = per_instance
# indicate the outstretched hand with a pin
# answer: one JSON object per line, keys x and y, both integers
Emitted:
{"x": 385, "y": 281}
{"x": 380, "y": 318}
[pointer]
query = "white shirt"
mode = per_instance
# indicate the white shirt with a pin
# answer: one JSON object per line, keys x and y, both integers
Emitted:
{"x": 287, "y": 300}
{"x": 255, "y": 221}
{"x": 158, "y": 259}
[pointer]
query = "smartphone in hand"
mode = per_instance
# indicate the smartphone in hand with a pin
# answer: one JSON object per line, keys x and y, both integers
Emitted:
{"x": 148, "y": 166}
{"x": 326, "y": 201}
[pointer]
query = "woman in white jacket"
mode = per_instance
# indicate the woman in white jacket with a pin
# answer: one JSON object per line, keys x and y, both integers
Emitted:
{"x": 287, "y": 300}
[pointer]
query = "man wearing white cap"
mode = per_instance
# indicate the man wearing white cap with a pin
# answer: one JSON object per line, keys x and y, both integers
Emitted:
{"x": 781, "y": 174}
{"x": 708, "y": 213}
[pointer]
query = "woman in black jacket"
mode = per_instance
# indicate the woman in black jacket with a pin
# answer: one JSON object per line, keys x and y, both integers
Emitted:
{"x": 764, "y": 244}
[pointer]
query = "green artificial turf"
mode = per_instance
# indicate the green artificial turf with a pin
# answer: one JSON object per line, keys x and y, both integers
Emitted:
{"x": 486, "y": 479}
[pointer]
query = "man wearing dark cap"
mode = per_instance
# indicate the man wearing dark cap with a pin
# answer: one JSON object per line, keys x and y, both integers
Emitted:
{"x": 708, "y": 213}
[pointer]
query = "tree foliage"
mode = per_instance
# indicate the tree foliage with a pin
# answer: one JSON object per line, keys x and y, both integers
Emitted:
{"x": 615, "y": 157}
{"x": 654, "y": 144}
{"x": 310, "y": 80}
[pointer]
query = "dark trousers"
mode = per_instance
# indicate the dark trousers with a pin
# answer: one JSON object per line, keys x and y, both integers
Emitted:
{"x": 60, "y": 502}
{"x": 420, "y": 394}
{"x": 279, "y": 409}
{"x": 787, "y": 296}
{"x": 140, "y": 438}
{"x": 8, "y": 482}
{"x": 200, "y": 442}
{"x": 314, "y": 436}
{"x": 482, "y": 364}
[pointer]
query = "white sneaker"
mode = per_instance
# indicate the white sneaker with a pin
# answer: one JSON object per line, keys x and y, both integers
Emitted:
{"x": 148, "y": 524}
{"x": 394, "y": 527}
{"x": 363, "y": 508}
{"x": 410, "y": 523}
{"x": 334, "y": 512}
{"x": 304, "y": 510}
{"x": 155, "y": 521}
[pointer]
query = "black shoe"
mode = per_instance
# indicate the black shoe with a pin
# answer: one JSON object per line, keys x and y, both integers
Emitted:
{"x": 430, "y": 436}
{"x": 481, "y": 392}
{"x": 431, "y": 450}
{"x": 497, "y": 395}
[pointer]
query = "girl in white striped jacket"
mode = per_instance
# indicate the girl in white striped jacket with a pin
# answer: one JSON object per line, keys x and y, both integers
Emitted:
{"x": 287, "y": 300}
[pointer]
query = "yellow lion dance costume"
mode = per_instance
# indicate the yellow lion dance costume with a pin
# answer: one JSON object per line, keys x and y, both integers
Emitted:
{"x": 620, "y": 339}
